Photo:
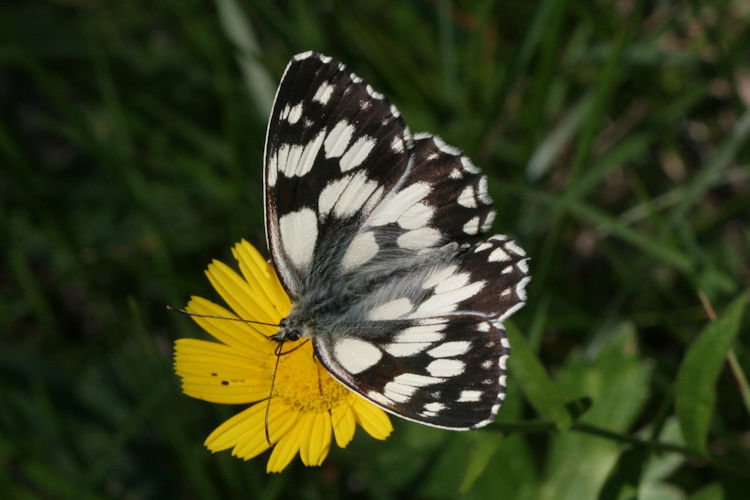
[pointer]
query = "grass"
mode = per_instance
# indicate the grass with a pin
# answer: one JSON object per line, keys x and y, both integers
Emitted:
{"x": 615, "y": 136}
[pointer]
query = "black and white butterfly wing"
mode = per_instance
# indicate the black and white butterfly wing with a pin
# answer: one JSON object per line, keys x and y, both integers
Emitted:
{"x": 430, "y": 345}
{"x": 334, "y": 148}
{"x": 376, "y": 236}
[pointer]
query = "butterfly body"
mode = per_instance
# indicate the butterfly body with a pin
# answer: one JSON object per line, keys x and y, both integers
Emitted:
{"x": 378, "y": 238}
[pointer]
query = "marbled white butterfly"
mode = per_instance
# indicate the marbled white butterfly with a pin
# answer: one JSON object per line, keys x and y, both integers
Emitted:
{"x": 378, "y": 236}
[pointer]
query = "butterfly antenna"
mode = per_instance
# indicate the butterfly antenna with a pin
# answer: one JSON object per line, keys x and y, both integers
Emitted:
{"x": 277, "y": 352}
{"x": 211, "y": 316}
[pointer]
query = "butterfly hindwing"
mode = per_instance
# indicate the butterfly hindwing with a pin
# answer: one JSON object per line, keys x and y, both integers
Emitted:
{"x": 446, "y": 372}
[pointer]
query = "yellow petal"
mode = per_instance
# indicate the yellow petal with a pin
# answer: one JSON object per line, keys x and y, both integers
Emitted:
{"x": 372, "y": 419}
{"x": 216, "y": 372}
{"x": 344, "y": 424}
{"x": 249, "y": 338}
{"x": 237, "y": 293}
{"x": 287, "y": 447}
{"x": 314, "y": 447}
{"x": 306, "y": 425}
{"x": 262, "y": 279}
{"x": 280, "y": 420}
{"x": 232, "y": 431}
{"x": 279, "y": 294}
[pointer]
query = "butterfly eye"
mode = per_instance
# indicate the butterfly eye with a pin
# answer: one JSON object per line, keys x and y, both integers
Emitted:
{"x": 292, "y": 335}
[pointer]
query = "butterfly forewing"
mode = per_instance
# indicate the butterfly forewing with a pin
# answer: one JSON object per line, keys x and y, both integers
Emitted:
{"x": 334, "y": 147}
{"x": 377, "y": 237}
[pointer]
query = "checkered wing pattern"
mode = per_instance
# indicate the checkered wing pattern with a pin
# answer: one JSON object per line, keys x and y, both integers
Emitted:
{"x": 379, "y": 237}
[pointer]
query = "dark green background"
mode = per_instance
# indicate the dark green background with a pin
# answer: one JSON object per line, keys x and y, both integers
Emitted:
{"x": 615, "y": 137}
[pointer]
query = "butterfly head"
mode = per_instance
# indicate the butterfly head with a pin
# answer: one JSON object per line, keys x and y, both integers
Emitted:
{"x": 290, "y": 329}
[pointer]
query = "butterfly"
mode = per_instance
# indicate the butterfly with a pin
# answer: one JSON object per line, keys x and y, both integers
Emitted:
{"x": 379, "y": 239}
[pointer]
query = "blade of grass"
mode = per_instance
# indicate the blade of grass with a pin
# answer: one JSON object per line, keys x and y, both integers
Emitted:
{"x": 239, "y": 31}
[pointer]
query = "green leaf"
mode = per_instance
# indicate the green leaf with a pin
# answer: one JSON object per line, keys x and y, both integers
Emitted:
{"x": 696, "y": 378}
{"x": 541, "y": 391}
{"x": 713, "y": 491}
{"x": 480, "y": 456}
{"x": 617, "y": 380}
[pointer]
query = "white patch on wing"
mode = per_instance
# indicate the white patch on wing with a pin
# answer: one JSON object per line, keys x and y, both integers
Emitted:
{"x": 357, "y": 153}
{"x": 355, "y": 195}
{"x": 472, "y": 226}
{"x": 482, "y": 191}
{"x": 307, "y": 159}
{"x": 356, "y": 355}
{"x": 272, "y": 170}
{"x": 487, "y": 224}
{"x": 379, "y": 398}
{"x": 415, "y": 380}
{"x": 441, "y": 303}
{"x": 399, "y": 393}
{"x": 330, "y": 194}
{"x": 394, "y": 205}
{"x": 374, "y": 200}
{"x": 446, "y": 368}
{"x": 513, "y": 247}
{"x": 451, "y": 283}
{"x": 404, "y": 349}
{"x": 362, "y": 248}
{"x": 502, "y": 362}
{"x": 469, "y": 396}
{"x": 521, "y": 288}
{"x": 419, "y": 334}
{"x": 445, "y": 148}
{"x": 439, "y": 276}
{"x": 298, "y": 159}
{"x": 466, "y": 198}
{"x": 345, "y": 196}
{"x": 299, "y": 232}
{"x": 435, "y": 406}
{"x": 417, "y": 239}
{"x": 372, "y": 93}
{"x": 397, "y": 144}
{"x": 498, "y": 255}
{"x": 523, "y": 265}
{"x": 390, "y": 310}
{"x": 338, "y": 139}
{"x": 293, "y": 113}
{"x": 450, "y": 349}
{"x": 323, "y": 94}
{"x": 455, "y": 174}
{"x": 416, "y": 216}
{"x": 469, "y": 166}
{"x": 482, "y": 247}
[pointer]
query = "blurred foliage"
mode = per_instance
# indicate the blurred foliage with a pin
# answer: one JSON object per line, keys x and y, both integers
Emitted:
{"x": 615, "y": 136}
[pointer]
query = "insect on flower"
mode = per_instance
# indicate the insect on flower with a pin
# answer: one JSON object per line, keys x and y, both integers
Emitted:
{"x": 385, "y": 273}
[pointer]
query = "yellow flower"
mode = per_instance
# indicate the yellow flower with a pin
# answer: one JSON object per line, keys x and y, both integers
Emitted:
{"x": 306, "y": 405}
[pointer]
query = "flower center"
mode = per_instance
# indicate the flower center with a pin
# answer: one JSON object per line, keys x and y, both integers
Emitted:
{"x": 302, "y": 382}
